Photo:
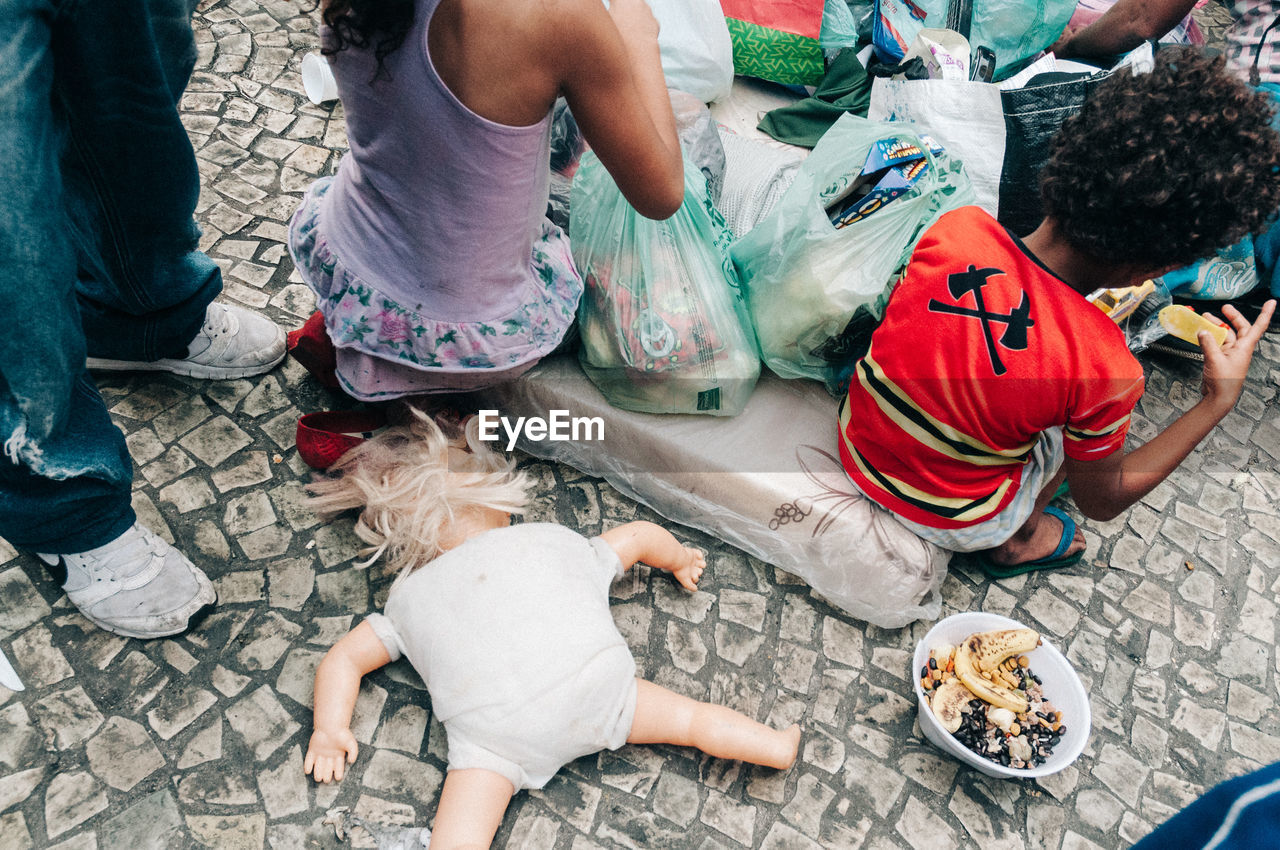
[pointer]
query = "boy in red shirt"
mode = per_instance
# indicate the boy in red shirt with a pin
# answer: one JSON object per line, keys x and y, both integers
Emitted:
{"x": 991, "y": 377}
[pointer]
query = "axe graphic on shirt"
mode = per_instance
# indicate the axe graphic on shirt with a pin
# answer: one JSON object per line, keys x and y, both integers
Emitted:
{"x": 1016, "y": 323}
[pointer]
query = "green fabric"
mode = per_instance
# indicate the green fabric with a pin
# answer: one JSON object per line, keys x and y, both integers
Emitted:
{"x": 774, "y": 55}
{"x": 845, "y": 88}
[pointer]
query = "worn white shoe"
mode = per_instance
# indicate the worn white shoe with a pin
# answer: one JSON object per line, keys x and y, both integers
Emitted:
{"x": 234, "y": 343}
{"x": 136, "y": 586}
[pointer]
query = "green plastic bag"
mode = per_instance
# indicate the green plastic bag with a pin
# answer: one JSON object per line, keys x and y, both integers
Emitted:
{"x": 1015, "y": 30}
{"x": 662, "y": 320}
{"x": 805, "y": 278}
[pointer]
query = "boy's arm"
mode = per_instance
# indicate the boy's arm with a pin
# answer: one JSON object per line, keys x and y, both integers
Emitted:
{"x": 655, "y": 546}
{"x": 1103, "y": 488}
{"x": 338, "y": 677}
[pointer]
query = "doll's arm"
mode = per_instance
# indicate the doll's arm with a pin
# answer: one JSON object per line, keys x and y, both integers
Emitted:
{"x": 338, "y": 678}
{"x": 655, "y": 546}
{"x": 471, "y": 807}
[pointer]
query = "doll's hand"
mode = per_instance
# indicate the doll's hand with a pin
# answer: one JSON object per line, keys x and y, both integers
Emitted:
{"x": 329, "y": 753}
{"x": 688, "y": 568}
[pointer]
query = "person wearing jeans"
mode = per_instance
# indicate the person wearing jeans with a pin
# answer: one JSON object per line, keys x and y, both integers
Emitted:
{"x": 99, "y": 268}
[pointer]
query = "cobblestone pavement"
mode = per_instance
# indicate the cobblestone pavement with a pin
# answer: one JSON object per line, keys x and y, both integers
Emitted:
{"x": 124, "y": 745}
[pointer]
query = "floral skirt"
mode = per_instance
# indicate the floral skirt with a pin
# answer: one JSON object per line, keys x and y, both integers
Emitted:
{"x": 386, "y": 350}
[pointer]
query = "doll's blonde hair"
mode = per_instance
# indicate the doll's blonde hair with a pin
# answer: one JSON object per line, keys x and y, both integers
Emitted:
{"x": 409, "y": 490}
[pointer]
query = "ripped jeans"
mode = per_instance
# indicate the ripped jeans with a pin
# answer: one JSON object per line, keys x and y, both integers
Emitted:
{"x": 98, "y": 248}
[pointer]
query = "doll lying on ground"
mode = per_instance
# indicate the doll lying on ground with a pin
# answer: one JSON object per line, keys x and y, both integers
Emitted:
{"x": 508, "y": 626}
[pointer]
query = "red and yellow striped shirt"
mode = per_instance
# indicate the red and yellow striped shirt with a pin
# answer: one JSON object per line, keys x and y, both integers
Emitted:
{"x": 981, "y": 349}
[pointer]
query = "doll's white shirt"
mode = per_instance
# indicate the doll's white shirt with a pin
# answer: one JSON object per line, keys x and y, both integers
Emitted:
{"x": 512, "y": 635}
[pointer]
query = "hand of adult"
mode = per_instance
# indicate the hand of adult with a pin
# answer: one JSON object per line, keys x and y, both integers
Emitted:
{"x": 1062, "y": 47}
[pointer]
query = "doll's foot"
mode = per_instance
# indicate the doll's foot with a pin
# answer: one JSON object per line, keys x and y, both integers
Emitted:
{"x": 788, "y": 747}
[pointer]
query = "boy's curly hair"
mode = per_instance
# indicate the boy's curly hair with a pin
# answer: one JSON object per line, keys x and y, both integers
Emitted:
{"x": 1165, "y": 167}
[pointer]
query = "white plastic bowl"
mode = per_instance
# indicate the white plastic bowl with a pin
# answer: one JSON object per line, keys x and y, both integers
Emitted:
{"x": 1062, "y": 687}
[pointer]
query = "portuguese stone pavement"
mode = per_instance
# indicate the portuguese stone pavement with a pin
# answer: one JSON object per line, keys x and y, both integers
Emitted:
{"x": 125, "y": 745}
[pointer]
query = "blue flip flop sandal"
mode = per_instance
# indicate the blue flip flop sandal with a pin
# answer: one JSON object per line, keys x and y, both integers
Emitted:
{"x": 1056, "y": 559}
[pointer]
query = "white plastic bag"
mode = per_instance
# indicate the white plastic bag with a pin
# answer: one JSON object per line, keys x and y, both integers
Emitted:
{"x": 697, "y": 55}
{"x": 965, "y": 117}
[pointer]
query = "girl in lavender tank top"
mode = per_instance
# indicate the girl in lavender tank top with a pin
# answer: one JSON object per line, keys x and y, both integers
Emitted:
{"x": 429, "y": 251}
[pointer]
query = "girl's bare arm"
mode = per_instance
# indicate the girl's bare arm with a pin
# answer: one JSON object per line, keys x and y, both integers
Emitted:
{"x": 612, "y": 77}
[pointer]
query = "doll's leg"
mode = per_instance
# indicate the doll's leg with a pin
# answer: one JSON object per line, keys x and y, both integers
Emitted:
{"x": 471, "y": 807}
{"x": 665, "y": 717}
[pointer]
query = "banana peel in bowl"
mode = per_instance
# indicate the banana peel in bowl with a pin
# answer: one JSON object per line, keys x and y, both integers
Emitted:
{"x": 976, "y": 664}
{"x": 983, "y": 653}
{"x": 948, "y": 702}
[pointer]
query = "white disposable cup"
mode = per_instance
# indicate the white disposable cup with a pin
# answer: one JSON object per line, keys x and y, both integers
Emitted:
{"x": 317, "y": 79}
{"x": 1061, "y": 685}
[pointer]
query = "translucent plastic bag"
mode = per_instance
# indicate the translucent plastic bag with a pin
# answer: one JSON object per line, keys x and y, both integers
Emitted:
{"x": 839, "y": 27}
{"x": 1143, "y": 326}
{"x": 697, "y": 54}
{"x": 699, "y": 141}
{"x": 1016, "y": 30}
{"x": 662, "y": 321}
{"x": 768, "y": 481}
{"x": 567, "y": 148}
{"x": 804, "y": 277}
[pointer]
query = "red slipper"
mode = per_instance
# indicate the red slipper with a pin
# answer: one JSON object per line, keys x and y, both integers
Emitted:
{"x": 324, "y": 437}
{"x": 310, "y": 345}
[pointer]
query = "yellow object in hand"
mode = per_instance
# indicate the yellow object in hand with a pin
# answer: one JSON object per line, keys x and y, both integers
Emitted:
{"x": 1185, "y": 323}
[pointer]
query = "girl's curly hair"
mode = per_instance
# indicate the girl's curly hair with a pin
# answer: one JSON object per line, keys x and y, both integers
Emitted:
{"x": 1165, "y": 167}
{"x": 363, "y": 24}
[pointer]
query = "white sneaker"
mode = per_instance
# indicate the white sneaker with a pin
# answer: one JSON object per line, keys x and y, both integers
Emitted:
{"x": 136, "y": 586}
{"x": 234, "y": 343}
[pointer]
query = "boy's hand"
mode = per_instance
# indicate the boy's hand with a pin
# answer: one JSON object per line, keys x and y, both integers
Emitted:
{"x": 329, "y": 753}
{"x": 1225, "y": 366}
{"x": 688, "y": 568}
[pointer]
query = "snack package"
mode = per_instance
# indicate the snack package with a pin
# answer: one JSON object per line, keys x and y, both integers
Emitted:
{"x": 1120, "y": 302}
{"x": 1185, "y": 323}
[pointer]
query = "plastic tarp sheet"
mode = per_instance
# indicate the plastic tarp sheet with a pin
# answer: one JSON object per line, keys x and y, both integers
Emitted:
{"x": 768, "y": 481}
